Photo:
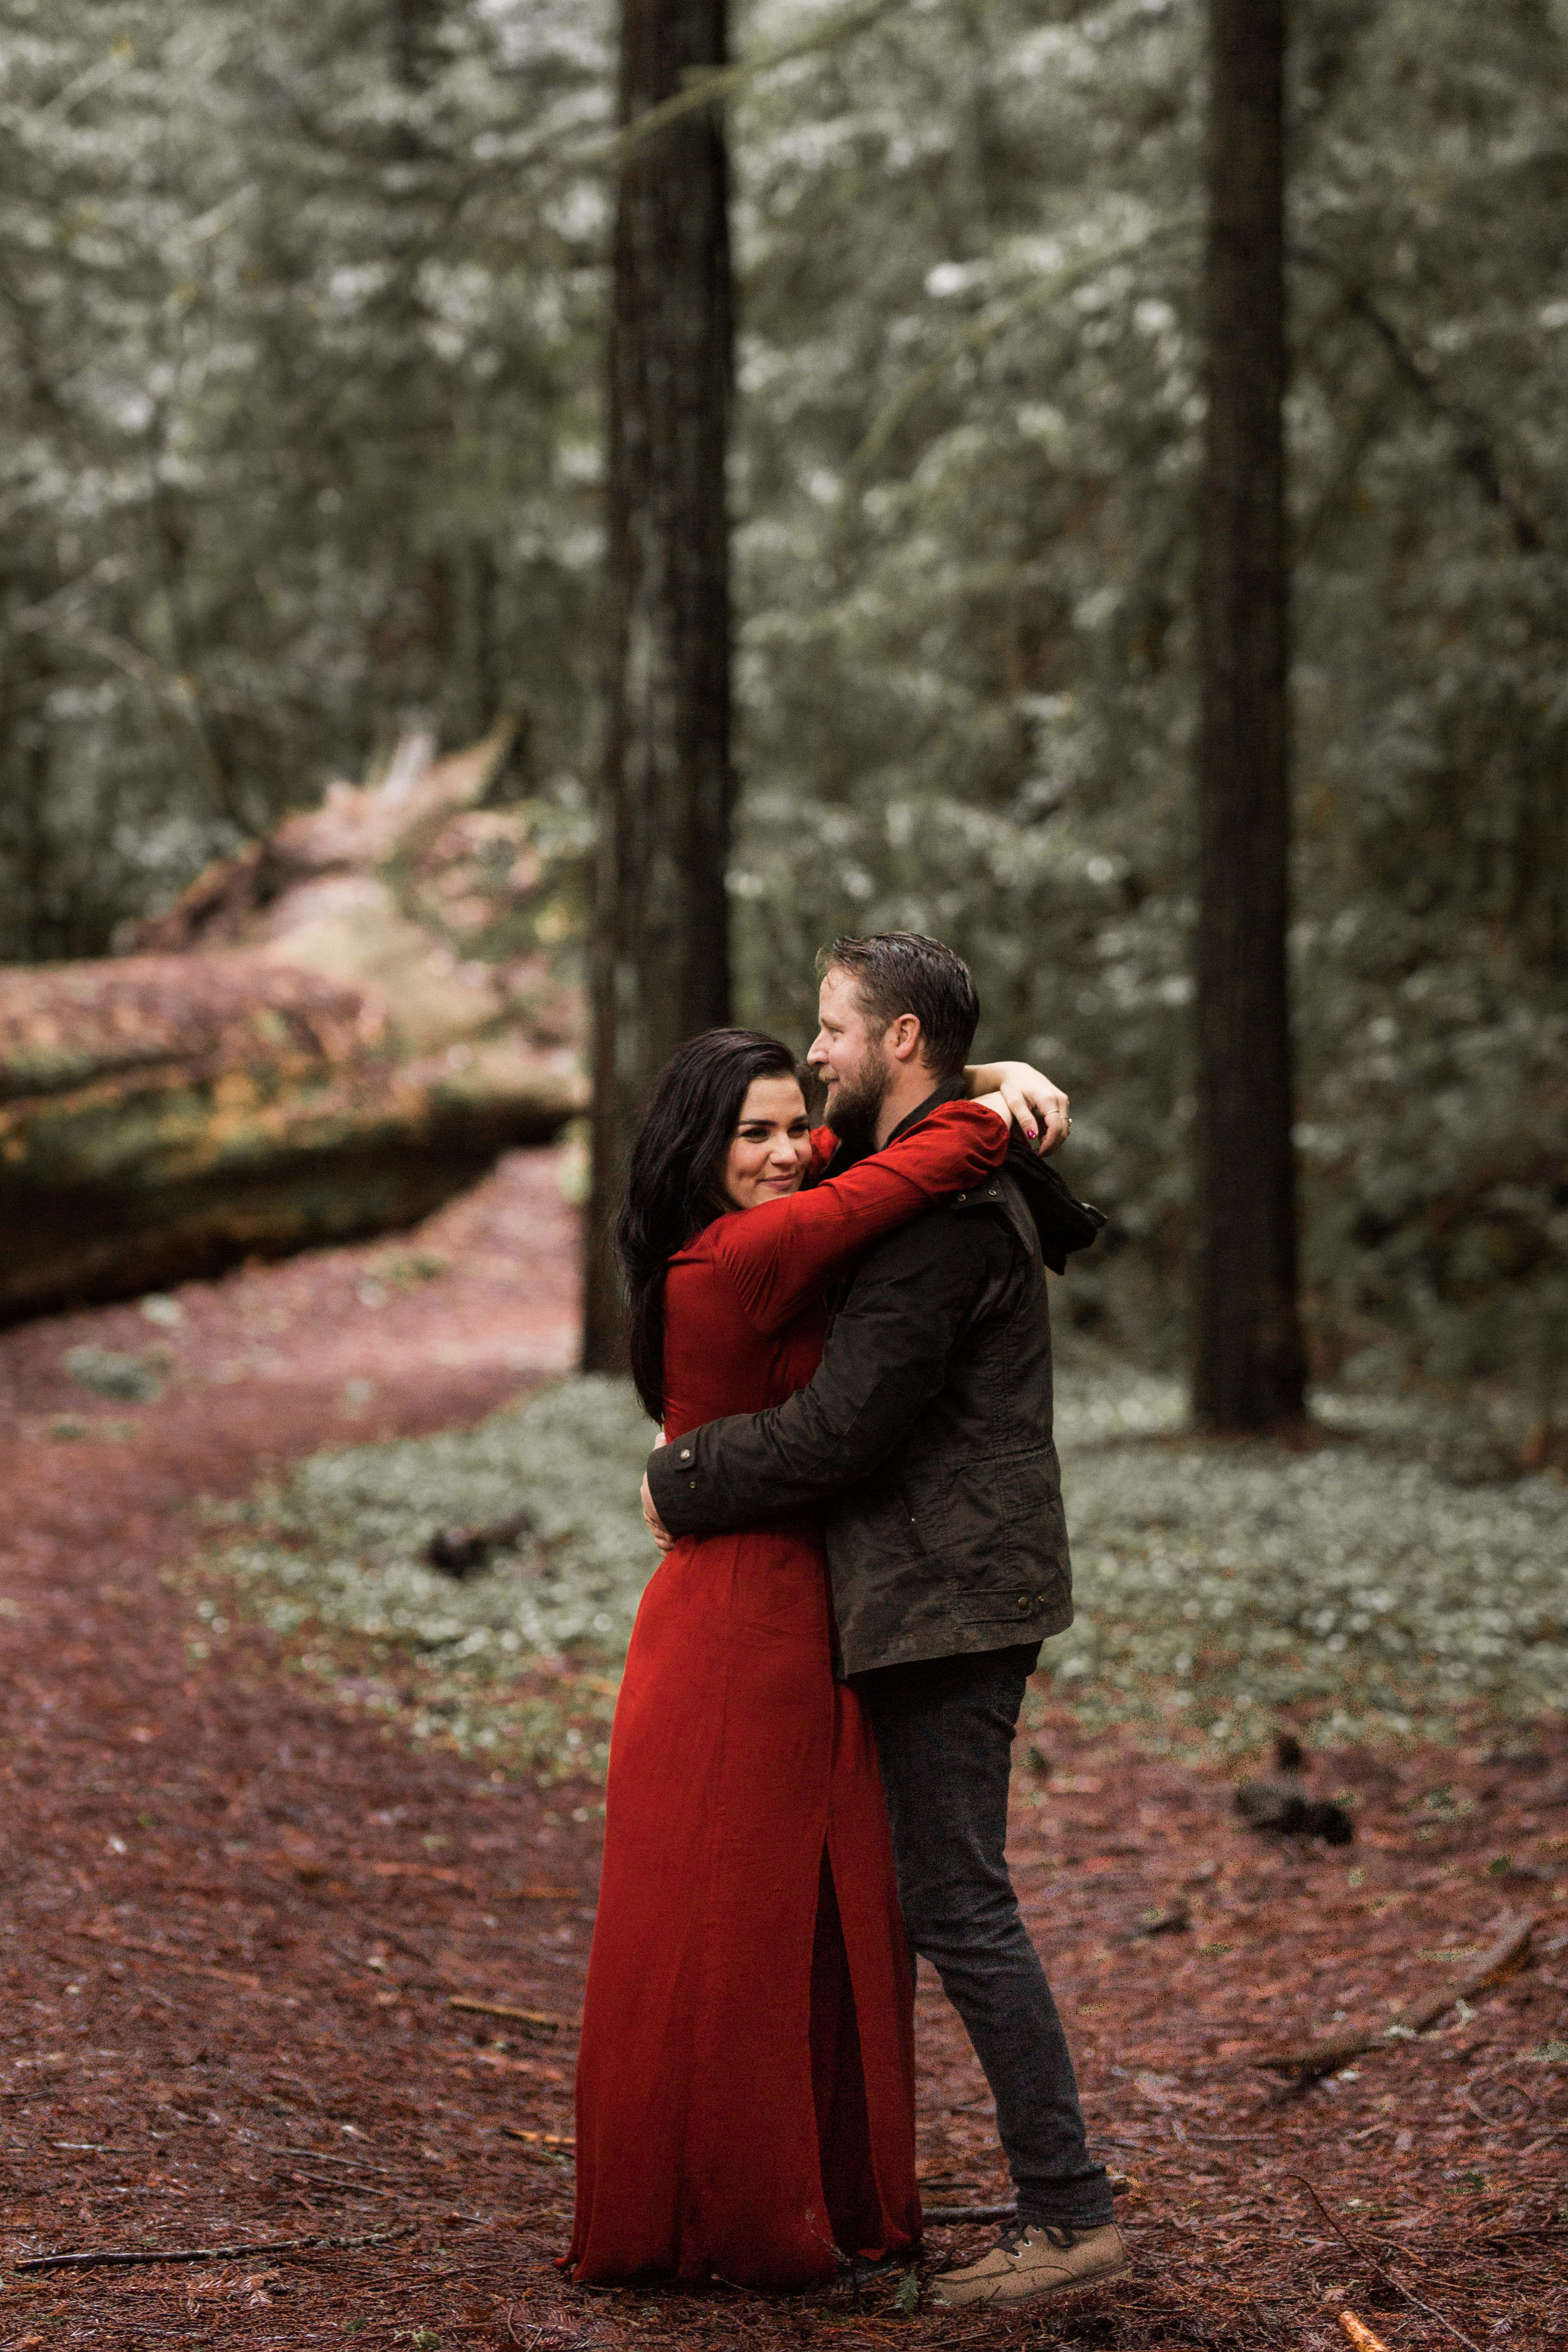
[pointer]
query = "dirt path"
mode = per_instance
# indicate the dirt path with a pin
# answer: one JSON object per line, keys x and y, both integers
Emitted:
{"x": 232, "y": 1921}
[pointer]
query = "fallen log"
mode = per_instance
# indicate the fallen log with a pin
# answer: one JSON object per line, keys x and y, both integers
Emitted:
{"x": 1307, "y": 2060}
{"x": 325, "y": 1038}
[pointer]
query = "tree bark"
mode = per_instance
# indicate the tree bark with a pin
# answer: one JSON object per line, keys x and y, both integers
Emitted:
{"x": 661, "y": 967}
{"x": 1248, "y": 1366}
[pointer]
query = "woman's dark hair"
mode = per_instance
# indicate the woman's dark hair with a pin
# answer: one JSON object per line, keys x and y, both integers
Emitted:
{"x": 674, "y": 1187}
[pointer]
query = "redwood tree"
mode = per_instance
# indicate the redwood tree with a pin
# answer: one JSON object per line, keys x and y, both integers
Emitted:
{"x": 660, "y": 963}
{"x": 1248, "y": 1355}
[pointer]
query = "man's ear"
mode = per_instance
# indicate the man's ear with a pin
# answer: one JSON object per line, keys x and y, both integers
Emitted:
{"x": 902, "y": 1038}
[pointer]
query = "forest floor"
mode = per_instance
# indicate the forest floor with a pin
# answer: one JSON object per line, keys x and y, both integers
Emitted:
{"x": 235, "y": 1913}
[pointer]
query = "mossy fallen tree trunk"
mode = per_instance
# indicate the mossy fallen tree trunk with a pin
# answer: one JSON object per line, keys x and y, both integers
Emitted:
{"x": 335, "y": 1072}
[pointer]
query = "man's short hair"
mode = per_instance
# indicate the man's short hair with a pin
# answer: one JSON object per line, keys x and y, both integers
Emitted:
{"x": 903, "y": 971}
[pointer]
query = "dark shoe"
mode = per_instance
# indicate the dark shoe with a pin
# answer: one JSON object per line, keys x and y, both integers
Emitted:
{"x": 862, "y": 2271}
{"x": 1034, "y": 2259}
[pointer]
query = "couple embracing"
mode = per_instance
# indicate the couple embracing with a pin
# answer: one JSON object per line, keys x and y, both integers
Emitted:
{"x": 844, "y": 1336}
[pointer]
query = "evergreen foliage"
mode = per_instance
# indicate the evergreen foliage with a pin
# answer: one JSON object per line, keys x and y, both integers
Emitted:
{"x": 299, "y": 349}
{"x": 300, "y": 315}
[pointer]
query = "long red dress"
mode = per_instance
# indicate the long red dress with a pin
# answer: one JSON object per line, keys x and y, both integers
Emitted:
{"x": 745, "y": 2091}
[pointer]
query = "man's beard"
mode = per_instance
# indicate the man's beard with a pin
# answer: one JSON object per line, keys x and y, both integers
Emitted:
{"x": 856, "y": 1104}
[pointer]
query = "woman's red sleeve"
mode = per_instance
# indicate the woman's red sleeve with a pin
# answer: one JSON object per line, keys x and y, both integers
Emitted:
{"x": 783, "y": 1253}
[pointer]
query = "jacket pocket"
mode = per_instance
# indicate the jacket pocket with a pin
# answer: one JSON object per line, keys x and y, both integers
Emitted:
{"x": 886, "y": 1526}
{"x": 1038, "y": 1521}
{"x": 999, "y": 1513}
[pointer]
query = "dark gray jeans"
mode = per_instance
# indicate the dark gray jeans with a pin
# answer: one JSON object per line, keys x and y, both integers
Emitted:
{"x": 944, "y": 1733}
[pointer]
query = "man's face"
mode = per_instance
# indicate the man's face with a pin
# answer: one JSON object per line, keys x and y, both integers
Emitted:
{"x": 850, "y": 1061}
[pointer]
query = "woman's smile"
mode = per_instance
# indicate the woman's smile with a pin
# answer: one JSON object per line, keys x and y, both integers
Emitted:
{"x": 771, "y": 1148}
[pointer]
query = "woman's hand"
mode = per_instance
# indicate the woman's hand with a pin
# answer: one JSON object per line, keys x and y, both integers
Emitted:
{"x": 1039, "y": 1108}
{"x": 656, "y": 1525}
{"x": 997, "y": 1101}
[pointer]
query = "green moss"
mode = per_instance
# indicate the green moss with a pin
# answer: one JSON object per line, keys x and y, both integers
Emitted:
{"x": 1216, "y": 1583}
{"x": 501, "y": 1662}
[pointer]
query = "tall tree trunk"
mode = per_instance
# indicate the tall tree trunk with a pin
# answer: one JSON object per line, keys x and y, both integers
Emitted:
{"x": 661, "y": 966}
{"x": 1247, "y": 1357}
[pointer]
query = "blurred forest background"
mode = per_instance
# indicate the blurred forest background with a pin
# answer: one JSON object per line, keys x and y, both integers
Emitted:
{"x": 301, "y": 326}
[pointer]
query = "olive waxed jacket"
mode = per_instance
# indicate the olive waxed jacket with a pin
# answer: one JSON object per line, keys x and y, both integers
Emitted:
{"x": 924, "y": 1439}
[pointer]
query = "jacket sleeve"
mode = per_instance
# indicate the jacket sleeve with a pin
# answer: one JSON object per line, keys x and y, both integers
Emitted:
{"x": 786, "y": 1252}
{"x": 886, "y": 1358}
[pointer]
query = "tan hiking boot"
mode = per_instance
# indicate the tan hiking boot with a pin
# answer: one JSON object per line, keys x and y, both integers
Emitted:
{"x": 1032, "y": 2259}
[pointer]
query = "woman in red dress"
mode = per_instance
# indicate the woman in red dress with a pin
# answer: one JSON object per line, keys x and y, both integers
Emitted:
{"x": 745, "y": 2091}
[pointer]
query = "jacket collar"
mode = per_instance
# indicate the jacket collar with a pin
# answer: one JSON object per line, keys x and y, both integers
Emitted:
{"x": 950, "y": 1090}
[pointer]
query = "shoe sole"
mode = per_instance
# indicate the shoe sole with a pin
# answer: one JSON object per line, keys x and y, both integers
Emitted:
{"x": 939, "y": 2302}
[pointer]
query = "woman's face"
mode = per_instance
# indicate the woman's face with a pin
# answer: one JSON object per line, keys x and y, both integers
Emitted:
{"x": 771, "y": 1148}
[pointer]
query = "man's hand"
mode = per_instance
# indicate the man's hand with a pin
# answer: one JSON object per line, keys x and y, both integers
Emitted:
{"x": 656, "y": 1525}
{"x": 1039, "y": 1107}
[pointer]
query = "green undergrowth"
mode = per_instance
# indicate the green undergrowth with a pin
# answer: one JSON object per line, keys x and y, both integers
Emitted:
{"x": 1375, "y": 1584}
{"x": 510, "y": 1661}
{"x": 1359, "y": 1585}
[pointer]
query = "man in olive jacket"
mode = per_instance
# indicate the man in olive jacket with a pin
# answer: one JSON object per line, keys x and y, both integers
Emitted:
{"x": 925, "y": 1443}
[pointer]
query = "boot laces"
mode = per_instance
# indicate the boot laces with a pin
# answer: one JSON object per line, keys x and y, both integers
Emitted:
{"x": 1015, "y": 2233}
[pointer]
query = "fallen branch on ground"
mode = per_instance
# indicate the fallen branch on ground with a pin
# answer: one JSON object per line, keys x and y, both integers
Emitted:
{"x": 406, "y": 1944}
{"x": 339, "y": 2187}
{"x": 534, "y": 2067}
{"x": 1360, "y": 2333}
{"x": 326, "y": 2156}
{"x": 539, "y": 2018}
{"x": 175, "y": 1959}
{"x": 1386, "y": 2275}
{"x": 1508, "y": 1952}
{"x": 113, "y": 2258}
{"x": 419, "y": 1869}
{"x": 944, "y": 2215}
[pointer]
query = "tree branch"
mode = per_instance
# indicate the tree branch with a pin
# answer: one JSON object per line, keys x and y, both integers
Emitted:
{"x": 1475, "y": 452}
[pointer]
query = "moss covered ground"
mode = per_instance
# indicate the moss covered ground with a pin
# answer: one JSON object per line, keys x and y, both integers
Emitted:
{"x": 1375, "y": 1582}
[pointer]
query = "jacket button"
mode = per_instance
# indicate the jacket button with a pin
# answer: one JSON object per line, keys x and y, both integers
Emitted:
{"x": 1023, "y": 1600}
{"x": 691, "y": 1483}
{"x": 686, "y": 1453}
